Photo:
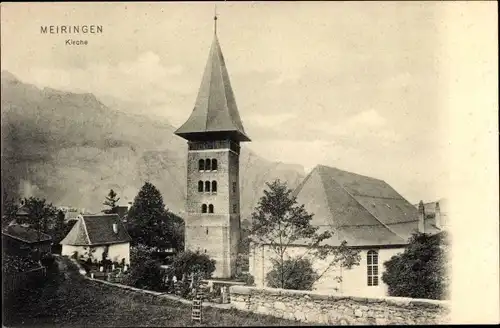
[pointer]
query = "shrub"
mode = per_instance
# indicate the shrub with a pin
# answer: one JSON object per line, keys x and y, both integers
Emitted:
{"x": 192, "y": 263}
{"x": 295, "y": 273}
{"x": 420, "y": 271}
{"x": 147, "y": 275}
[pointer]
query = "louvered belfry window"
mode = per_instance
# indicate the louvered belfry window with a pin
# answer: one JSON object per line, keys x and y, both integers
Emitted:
{"x": 372, "y": 267}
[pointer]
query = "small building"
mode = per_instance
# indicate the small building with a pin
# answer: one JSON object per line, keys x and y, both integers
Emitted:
{"x": 92, "y": 235}
{"x": 21, "y": 240}
{"x": 365, "y": 212}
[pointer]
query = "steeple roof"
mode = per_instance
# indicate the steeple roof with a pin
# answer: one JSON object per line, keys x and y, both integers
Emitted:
{"x": 215, "y": 111}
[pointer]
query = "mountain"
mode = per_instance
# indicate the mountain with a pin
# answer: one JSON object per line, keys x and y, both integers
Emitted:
{"x": 71, "y": 149}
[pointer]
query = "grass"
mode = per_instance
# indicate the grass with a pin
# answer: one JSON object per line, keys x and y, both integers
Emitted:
{"x": 68, "y": 300}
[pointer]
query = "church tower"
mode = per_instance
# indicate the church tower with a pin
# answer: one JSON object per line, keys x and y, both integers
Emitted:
{"x": 214, "y": 132}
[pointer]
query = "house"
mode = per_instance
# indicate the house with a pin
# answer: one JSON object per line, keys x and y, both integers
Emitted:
{"x": 21, "y": 240}
{"x": 95, "y": 234}
{"x": 367, "y": 213}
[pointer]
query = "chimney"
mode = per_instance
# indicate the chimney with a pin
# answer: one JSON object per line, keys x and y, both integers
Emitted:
{"x": 115, "y": 228}
{"x": 437, "y": 217}
{"x": 421, "y": 217}
{"x": 129, "y": 205}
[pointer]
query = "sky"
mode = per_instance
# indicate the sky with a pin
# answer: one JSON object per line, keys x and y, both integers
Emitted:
{"x": 357, "y": 86}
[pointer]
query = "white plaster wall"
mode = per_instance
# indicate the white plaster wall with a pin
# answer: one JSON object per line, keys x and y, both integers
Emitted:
{"x": 354, "y": 281}
{"x": 116, "y": 252}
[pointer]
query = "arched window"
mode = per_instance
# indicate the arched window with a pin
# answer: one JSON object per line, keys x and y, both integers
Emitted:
{"x": 207, "y": 165}
{"x": 210, "y": 208}
{"x": 214, "y": 164}
{"x": 204, "y": 208}
{"x": 207, "y": 186}
{"x": 201, "y": 165}
{"x": 214, "y": 186}
{"x": 200, "y": 186}
{"x": 372, "y": 268}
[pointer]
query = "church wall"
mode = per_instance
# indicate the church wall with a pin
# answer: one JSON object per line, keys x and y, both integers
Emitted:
{"x": 354, "y": 280}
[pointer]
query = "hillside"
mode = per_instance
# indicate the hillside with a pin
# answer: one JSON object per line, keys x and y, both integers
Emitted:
{"x": 71, "y": 149}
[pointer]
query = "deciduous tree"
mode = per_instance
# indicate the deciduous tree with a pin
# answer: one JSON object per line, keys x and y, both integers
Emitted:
{"x": 279, "y": 221}
{"x": 421, "y": 270}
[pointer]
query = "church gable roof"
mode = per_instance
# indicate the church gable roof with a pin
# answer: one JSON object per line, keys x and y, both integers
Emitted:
{"x": 361, "y": 210}
{"x": 215, "y": 109}
{"x": 97, "y": 230}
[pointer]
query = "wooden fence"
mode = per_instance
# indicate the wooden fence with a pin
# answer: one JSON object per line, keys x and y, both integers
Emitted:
{"x": 13, "y": 282}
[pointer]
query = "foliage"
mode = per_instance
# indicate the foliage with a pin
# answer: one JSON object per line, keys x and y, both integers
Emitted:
{"x": 294, "y": 273}
{"x": 188, "y": 263}
{"x": 145, "y": 272}
{"x": 12, "y": 264}
{"x": 73, "y": 301}
{"x": 242, "y": 263}
{"x": 111, "y": 201}
{"x": 9, "y": 209}
{"x": 150, "y": 224}
{"x": 279, "y": 221}
{"x": 40, "y": 213}
{"x": 421, "y": 270}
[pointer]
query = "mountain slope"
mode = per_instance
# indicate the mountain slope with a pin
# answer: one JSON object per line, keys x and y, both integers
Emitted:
{"x": 71, "y": 149}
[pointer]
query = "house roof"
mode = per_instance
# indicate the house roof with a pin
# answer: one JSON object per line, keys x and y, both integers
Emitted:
{"x": 362, "y": 210}
{"x": 25, "y": 234}
{"x": 96, "y": 230}
{"x": 215, "y": 111}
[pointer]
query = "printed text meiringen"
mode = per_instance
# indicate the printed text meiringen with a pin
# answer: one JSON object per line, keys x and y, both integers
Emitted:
{"x": 71, "y": 29}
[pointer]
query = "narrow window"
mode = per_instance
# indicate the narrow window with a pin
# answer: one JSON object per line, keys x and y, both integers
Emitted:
{"x": 372, "y": 268}
{"x": 207, "y": 186}
{"x": 214, "y": 164}
{"x": 200, "y": 186}
{"x": 210, "y": 208}
{"x": 201, "y": 165}
{"x": 214, "y": 186}
{"x": 206, "y": 231}
{"x": 235, "y": 208}
{"x": 207, "y": 165}
{"x": 234, "y": 187}
{"x": 204, "y": 208}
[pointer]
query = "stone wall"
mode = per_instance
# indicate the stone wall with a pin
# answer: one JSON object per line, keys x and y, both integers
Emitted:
{"x": 307, "y": 306}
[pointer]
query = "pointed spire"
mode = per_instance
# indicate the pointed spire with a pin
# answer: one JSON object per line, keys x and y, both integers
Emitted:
{"x": 215, "y": 19}
{"x": 215, "y": 110}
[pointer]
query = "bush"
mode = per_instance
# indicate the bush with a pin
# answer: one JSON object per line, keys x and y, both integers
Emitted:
{"x": 420, "y": 271}
{"x": 147, "y": 275}
{"x": 192, "y": 263}
{"x": 295, "y": 273}
{"x": 145, "y": 271}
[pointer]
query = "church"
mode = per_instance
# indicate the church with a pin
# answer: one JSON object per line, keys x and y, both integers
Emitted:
{"x": 366, "y": 212}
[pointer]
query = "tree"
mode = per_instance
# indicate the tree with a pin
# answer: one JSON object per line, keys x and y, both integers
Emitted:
{"x": 111, "y": 201}
{"x": 59, "y": 231}
{"x": 151, "y": 224}
{"x": 297, "y": 273}
{"x": 279, "y": 221}
{"x": 40, "y": 213}
{"x": 421, "y": 270}
{"x": 193, "y": 263}
{"x": 145, "y": 271}
{"x": 9, "y": 209}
